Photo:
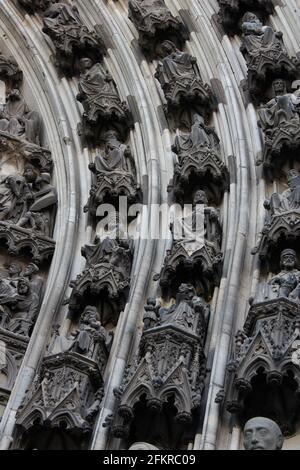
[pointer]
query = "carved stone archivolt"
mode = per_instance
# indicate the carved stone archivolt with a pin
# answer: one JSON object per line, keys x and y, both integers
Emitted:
{"x": 155, "y": 23}
{"x": 279, "y": 120}
{"x": 184, "y": 90}
{"x": 266, "y": 56}
{"x": 114, "y": 175}
{"x": 264, "y": 371}
{"x": 232, "y": 11}
{"x": 199, "y": 163}
{"x": 71, "y": 38}
{"x": 170, "y": 368}
{"x": 283, "y": 219}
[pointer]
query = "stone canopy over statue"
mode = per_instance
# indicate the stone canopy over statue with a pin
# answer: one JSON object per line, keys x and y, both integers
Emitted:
{"x": 99, "y": 97}
{"x": 199, "y": 157}
{"x": 265, "y": 55}
{"x": 71, "y": 38}
{"x": 181, "y": 82}
{"x": 154, "y": 20}
{"x": 279, "y": 120}
{"x": 17, "y": 120}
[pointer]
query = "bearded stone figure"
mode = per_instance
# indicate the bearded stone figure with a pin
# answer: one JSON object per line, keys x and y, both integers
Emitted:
{"x": 17, "y": 120}
{"x": 262, "y": 434}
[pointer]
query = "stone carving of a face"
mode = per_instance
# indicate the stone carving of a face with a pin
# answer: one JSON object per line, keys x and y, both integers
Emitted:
{"x": 14, "y": 269}
{"x": 288, "y": 260}
{"x": 85, "y": 64}
{"x": 23, "y": 287}
{"x": 279, "y": 87}
{"x": 200, "y": 198}
{"x": 262, "y": 434}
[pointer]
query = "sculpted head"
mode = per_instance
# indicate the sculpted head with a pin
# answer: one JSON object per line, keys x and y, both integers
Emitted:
{"x": 279, "y": 87}
{"x": 262, "y": 434}
{"x": 91, "y": 314}
{"x": 168, "y": 47}
{"x": 200, "y": 198}
{"x": 23, "y": 286}
{"x": 30, "y": 173}
{"x": 185, "y": 292}
{"x": 288, "y": 260}
{"x": 31, "y": 269}
{"x": 198, "y": 119}
{"x": 250, "y": 17}
{"x": 85, "y": 64}
{"x": 293, "y": 179}
{"x": 14, "y": 269}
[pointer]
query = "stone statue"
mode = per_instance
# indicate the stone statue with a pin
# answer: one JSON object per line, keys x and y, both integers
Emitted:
{"x": 89, "y": 332}
{"x": 151, "y": 18}
{"x": 288, "y": 201}
{"x": 259, "y": 39}
{"x": 25, "y": 200}
{"x": 9, "y": 69}
{"x": 8, "y": 288}
{"x": 262, "y": 434}
{"x": 200, "y": 226}
{"x": 17, "y": 120}
{"x": 115, "y": 158}
{"x": 24, "y": 309}
{"x": 63, "y": 24}
{"x": 200, "y": 137}
{"x": 175, "y": 66}
{"x": 286, "y": 284}
{"x": 98, "y": 93}
{"x": 185, "y": 311}
{"x": 281, "y": 110}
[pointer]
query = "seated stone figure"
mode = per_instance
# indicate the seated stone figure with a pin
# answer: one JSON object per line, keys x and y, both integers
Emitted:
{"x": 115, "y": 158}
{"x": 98, "y": 94}
{"x": 288, "y": 201}
{"x": 259, "y": 39}
{"x": 286, "y": 284}
{"x": 200, "y": 137}
{"x": 282, "y": 109}
{"x": 262, "y": 434}
{"x": 17, "y": 119}
{"x": 180, "y": 79}
{"x": 152, "y": 18}
{"x": 200, "y": 226}
{"x": 85, "y": 339}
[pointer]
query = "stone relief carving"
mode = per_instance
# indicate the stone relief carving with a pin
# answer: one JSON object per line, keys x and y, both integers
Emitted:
{"x": 196, "y": 252}
{"x": 155, "y": 22}
{"x": 265, "y": 55}
{"x": 17, "y": 120}
{"x": 67, "y": 393}
{"x": 107, "y": 275}
{"x": 71, "y": 39}
{"x": 102, "y": 106}
{"x": 279, "y": 120}
{"x": 20, "y": 298}
{"x": 114, "y": 175}
{"x": 182, "y": 85}
{"x": 9, "y": 70}
{"x": 171, "y": 362}
{"x": 262, "y": 434}
{"x": 283, "y": 218}
{"x": 231, "y": 12}
{"x": 199, "y": 157}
